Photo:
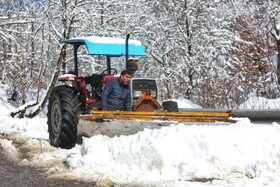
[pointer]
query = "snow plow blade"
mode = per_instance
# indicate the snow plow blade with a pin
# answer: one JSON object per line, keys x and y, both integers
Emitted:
{"x": 117, "y": 123}
{"x": 165, "y": 116}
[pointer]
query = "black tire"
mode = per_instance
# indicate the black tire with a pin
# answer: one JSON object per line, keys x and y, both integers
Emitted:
{"x": 170, "y": 106}
{"x": 63, "y": 108}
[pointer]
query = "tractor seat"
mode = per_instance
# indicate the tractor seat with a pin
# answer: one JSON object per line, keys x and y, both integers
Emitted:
{"x": 95, "y": 81}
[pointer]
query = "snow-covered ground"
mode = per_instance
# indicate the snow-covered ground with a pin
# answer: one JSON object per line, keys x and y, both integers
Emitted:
{"x": 241, "y": 154}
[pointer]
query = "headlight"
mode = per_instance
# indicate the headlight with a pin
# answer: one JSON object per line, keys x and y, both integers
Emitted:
{"x": 137, "y": 93}
{"x": 140, "y": 93}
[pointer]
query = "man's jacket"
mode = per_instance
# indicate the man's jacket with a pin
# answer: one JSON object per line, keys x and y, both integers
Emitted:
{"x": 116, "y": 96}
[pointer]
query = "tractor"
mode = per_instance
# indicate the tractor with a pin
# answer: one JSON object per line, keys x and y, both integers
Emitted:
{"x": 77, "y": 98}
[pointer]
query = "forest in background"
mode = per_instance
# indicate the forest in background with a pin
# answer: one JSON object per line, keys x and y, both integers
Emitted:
{"x": 215, "y": 53}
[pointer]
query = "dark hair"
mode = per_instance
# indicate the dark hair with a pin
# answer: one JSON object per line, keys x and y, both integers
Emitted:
{"x": 126, "y": 72}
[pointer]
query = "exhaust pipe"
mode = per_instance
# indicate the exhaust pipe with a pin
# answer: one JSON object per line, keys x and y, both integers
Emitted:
{"x": 126, "y": 51}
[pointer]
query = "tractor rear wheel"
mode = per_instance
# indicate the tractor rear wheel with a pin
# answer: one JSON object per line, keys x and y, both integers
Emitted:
{"x": 63, "y": 108}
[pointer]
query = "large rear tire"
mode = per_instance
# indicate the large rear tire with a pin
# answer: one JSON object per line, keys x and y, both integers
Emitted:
{"x": 63, "y": 110}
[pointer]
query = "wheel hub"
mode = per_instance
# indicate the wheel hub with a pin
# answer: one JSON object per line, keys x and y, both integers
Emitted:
{"x": 56, "y": 118}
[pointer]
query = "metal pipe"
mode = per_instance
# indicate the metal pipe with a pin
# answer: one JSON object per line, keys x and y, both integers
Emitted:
{"x": 76, "y": 59}
{"x": 126, "y": 51}
{"x": 255, "y": 115}
{"x": 108, "y": 65}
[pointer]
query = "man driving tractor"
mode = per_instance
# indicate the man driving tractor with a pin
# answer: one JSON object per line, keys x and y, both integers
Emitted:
{"x": 116, "y": 93}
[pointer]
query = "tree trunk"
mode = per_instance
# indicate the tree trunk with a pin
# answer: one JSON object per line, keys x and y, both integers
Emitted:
{"x": 278, "y": 62}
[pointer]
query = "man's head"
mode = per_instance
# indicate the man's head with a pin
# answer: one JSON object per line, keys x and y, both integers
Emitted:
{"x": 125, "y": 77}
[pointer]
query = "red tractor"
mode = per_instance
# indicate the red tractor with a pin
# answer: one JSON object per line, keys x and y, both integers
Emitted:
{"x": 69, "y": 103}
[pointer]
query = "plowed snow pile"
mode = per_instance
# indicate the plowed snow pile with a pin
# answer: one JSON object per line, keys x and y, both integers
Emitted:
{"x": 183, "y": 153}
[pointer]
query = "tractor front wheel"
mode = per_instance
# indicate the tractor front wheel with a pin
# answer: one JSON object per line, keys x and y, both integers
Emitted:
{"x": 63, "y": 108}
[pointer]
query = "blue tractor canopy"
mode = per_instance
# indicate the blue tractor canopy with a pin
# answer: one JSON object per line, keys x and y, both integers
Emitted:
{"x": 107, "y": 46}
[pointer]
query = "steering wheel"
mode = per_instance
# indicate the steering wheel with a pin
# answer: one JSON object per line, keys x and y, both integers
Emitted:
{"x": 112, "y": 69}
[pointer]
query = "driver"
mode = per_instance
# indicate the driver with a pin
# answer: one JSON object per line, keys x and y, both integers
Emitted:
{"x": 116, "y": 93}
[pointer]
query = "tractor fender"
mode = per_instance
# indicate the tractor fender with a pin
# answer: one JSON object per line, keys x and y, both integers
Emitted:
{"x": 78, "y": 83}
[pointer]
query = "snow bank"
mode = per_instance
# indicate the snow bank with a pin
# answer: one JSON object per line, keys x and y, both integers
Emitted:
{"x": 32, "y": 128}
{"x": 183, "y": 153}
{"x": 185, "y": 103}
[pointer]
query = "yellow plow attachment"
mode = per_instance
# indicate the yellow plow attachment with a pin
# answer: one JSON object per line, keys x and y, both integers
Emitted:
{"x": 117, "y": 123}
{"x": 164, "y": 116}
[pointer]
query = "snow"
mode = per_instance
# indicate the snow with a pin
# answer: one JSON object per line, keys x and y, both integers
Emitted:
{"x": 240, "y": 154}
{"x": 109, "y": 40}
{"x": 183, "y": 153}
{"x": 185, "y": 103}
{"x": 68, "y": 75}
{"x": 260, "y": 103}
